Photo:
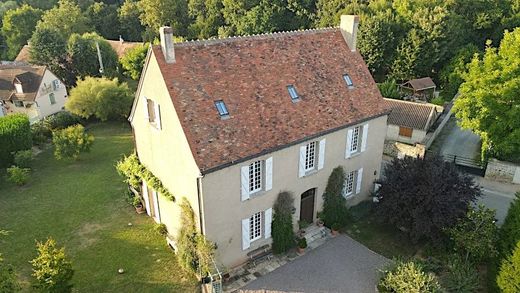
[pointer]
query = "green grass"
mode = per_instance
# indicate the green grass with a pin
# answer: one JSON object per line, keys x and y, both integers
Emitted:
{"x": 82, "y": 205}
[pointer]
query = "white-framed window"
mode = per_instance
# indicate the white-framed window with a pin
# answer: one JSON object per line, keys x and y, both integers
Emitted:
{"x": 55, "y": 84}
{"x": 18, "y": 103}
{"x": 255, "y": 227}
{"x": 310, "y": 156}
{"x": 354, "y": 145}
{"x": 52, "y": 98}
{"x": 153, "y": 113}
{"x": 255, "y": 176}
{"x": 348, "y": 189}
{"x": 151, "y": 110}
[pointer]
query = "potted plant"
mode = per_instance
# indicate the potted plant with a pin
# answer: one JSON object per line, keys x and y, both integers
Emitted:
{"x": 335, "y": 228}
{"x": 319, "y": 221}
{"x": 302, "y": 225}
{"x": 302, "y": 244}
{"x": 138, "y": 205}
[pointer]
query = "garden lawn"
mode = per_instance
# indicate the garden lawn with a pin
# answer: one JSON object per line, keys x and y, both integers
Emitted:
{"x": 82, "y": 205}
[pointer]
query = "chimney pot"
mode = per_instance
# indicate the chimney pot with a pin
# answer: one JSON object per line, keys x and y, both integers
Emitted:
{"x": 349, "y": 28}
{"x": 166, "y": 34}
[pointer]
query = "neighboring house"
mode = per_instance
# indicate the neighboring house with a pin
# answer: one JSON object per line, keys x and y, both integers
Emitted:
{"x": 29, "y": 89}
{"x": 230, "y": 123}
{"x": 409, "y": 121}
{"x": 420, "y": 88}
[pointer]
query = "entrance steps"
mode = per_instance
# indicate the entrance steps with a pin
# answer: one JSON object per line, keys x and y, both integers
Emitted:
{"x": 315, "y": 235}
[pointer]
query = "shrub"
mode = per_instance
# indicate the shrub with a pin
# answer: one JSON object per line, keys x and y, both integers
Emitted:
{"x": 302, "y": 242}
{"x": 51, "y": 269}
{"x": 335, "y": 227}
{"x": 438, "y": 101}
{"x": 408, "y": 277}
{"x": 390, "y": 89}
{"x": 334, "y": 204}
{"x": 61, "y": 120}
{"x": 161, "y": 229}
{"x": 71, "y": 141}
{"x": 136, "y": 200}
{"x": 509, "y": 233}
{"x": 15, "y": 135}
{"x": 476, "y": 234}
{"x": 23, "y": 158}
{"x": 40, "y": 133}
{"x": 461, "y": 276}
{"x": 133, "y": 61}
{"x": 8, "y": 282}
{"x": 508, "y": 279}
{"x": 424, "y": 196}
{"x": 17, "y": 175}
{"x": 282, "y": 225}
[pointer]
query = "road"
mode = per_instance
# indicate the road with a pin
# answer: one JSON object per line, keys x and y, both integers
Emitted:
{"x": 497, "y": 196}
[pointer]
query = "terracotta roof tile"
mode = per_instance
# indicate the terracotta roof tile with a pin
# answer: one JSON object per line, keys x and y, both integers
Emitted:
{"x": 251, "y": 75}
{"x": 411, "y": 114}
{"x": 421, "y": 83}
{"x": 30, "y": 77}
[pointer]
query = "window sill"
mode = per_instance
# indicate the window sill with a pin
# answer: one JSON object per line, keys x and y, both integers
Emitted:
{"x": 257, "y": 194}
{"x": 358, "y": 153}
{"x": 310, "y": 172}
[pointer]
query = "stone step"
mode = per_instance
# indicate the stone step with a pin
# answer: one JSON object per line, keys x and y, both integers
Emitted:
{"x": 314, "y": 232}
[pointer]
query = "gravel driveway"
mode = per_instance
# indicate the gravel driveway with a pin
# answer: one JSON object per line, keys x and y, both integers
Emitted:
{"x": 340, "y": 265}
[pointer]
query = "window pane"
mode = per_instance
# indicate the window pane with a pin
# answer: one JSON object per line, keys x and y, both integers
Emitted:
{"x": 355, "y": 140}
{"x": 255, "y": 226}
{"x": 310, "y": 156}
{"x": 255, "y": 176}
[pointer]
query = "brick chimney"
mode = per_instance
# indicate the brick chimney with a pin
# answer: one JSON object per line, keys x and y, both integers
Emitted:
{"x": 166, "y": 34}
{"x": 349, "y": 27}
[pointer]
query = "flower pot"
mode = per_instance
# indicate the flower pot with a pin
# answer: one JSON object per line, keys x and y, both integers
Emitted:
{"x": 319, "y": 223}
{"x": 334, "y": 232}
{"x": 301, "y": 250}
{"x": 139, "y": 209}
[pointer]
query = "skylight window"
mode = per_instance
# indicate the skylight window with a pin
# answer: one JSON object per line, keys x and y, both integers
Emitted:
{"x": 222, "y": 109}
{"x": 348, "y": 81}
{"x": 293, "y": 93}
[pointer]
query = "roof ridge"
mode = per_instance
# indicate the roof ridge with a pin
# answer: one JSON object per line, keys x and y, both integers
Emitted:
{"x": 410, "y": 102}
{"x": 260, "y": 36}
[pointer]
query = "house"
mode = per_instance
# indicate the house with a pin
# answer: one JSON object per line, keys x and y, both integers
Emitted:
{"x": 230, "y": 123}
{"x": 409, "y": 122}
{"x": 420, "y": 88}
{"x": 33, "y": 90}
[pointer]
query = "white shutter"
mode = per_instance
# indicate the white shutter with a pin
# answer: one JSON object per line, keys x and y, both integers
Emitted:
{"x": 303, "y": 150}
{"x": 146, "y": 200}
{"x": 269, "y": 174}
{"x": 245, "y": 234}
{"x": 244, "y": 182}
{"x": 350, "y": 132}
{"x": 157, "y": 109}
{"x": 359, "y": 180}
{"x": 364, "y": 139}
{"x": 146, "y": 116}
{"x": 268, "y": 218}
{"x": 321, "y": 157}
{"x": 157, "y": 216}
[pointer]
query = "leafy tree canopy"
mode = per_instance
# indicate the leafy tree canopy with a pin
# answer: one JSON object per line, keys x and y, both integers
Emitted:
{"x": 17, "y": 27}
{"x": 508, "y": 279}
{"x": 104, "y": 19}
{"x": 130, "y": 25}
{"x": 66, "y": 18}
{"x": 83, "y": 55}
{"x": 133, "y": 61}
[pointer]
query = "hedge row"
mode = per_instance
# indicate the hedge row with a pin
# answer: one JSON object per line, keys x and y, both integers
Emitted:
{"x": 15, "y": 135}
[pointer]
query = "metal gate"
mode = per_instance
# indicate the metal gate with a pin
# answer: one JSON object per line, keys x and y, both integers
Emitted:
{"x": 470, "y": 165}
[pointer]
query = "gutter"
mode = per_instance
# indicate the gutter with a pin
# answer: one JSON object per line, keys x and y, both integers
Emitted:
{"x": 201, "y": 205}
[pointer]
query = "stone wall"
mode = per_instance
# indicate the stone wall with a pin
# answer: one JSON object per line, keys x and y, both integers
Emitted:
{"x": 503, "y": 171}
{"x": 400, "y": 150}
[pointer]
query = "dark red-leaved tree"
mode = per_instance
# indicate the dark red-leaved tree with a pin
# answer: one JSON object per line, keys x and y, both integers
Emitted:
{"x": 425, "y": 196}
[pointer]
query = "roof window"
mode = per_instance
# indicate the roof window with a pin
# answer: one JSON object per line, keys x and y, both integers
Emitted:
{"x": 348, "y": 81}
{"x": 222, "y": 109}
{"x": 293, "y": 93}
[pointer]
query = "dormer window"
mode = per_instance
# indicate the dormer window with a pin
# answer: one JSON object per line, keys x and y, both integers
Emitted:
{"x": 18, "y": 87}
{"x": 222, "y": 109}
{"x": 293, "y": 93}
{"x": 348, "y": 81}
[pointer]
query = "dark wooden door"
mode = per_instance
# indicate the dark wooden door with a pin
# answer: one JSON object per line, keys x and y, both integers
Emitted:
{"x": 307, "y": 206}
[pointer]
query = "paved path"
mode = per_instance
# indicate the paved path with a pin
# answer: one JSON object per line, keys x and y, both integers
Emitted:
{"x": 340, "y": 265}
{"x": 497, "y": 195}
{"x": 459, "y": 142}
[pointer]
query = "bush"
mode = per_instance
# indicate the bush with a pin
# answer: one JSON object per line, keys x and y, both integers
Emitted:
{"x": 133, "y": 61}
{"x": 61, "y": 120}
{"x": 161, "y": 229}
{"x": 51, "y": 269}
{"x": 8, "y": 282}
{"x": 282, "y": 225}
{"x": 438, "y": 101}
{"x": 461, "y": 276}
{"x": 15, "y": 135}
{"x": 408, "y": 277}
{"x": 302, "y": 242}
{"x": 17, "y": 175}
{"x": 130, "y": 168}
{"x": 71, "y": 141}
{"x": 508, "y": 279}
{"x": 23, "y": 158}
{"x": 334, "y": 204}
{"x": 509, "y": 233}
{"x": 390, "y": 89}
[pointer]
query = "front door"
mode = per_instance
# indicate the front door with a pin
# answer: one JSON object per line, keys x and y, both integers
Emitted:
{"x": 307, "y": 206}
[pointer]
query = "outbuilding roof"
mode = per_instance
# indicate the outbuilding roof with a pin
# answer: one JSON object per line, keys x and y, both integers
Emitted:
{"x": 420, "y": 84}
{"x": 411, "y": 114}
{"x": 30, "y": 76}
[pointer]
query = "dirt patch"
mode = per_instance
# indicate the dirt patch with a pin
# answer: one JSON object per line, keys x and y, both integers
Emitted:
{"x": 88, "y": 234}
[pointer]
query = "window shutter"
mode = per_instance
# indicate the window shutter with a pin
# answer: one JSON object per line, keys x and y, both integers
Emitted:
{"x": 350, "y": 132}
{"x": 146, "y": 201}
{"x": 321, "y": 156}
{"x": 157, "y": 215}
{"x": 364, "y": 139}
{"x": 145, "y": 107}
{"x": 268, "y": 216}
{"x": 157, "y": 109}
{"x": 359, "y": 180}
{"x": 303, "y": 150}
{"x": 269, "y": 174}
{"x": 244, "y": 182}
{"x": 245, "y": 234}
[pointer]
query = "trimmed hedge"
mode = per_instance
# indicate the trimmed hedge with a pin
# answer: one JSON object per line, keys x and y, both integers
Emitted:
{"x": 15, "y": 135}
{"x": 509, "y": 233}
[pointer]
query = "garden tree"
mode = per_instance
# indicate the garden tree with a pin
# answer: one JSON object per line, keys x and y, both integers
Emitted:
{"x": 476, "y": 234}
{"x": 389, "y": 89}
{"x": 105, "y": 99}
{"x": 66, "y": 18}
{"x": 52, "y": 270}
{"x": 104, "y": 19}
{"x": 451, "y": 76}
{"x": 133, "y": 61}
{"x": 130, "y": 26}
{"x": 282, "y": 225}
{"x": 15, "y": 135}
{"x": 157, "y": 13}
{"x": 407, "y": 55}
{"x": 6, "y": 6}
{"x": 328, "y": 12}
{"x": 84, "y": 59}
{"x": 17, "y": 27}
{"x": 71, "y": 141}
{"x": 489, "y": 103}
{"x": 508, "y": 278}
{"x": 424, "y": 196}
{"x": 41, "y": 4}
{"x": 408, "y": 277}
{"x": 509, "y": 233}
{"x": 207, "y": 16}
{"x": 335, "y": 210}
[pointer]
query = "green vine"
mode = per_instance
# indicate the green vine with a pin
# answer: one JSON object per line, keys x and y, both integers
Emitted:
{"x": 131, "y": 168}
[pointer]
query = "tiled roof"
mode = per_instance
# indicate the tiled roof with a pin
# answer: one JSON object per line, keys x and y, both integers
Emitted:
{"x": 411, "y": 114}
{"x": 251, "y": 75}
{"x": 29, "y": 75}
{"x": 421, "y": 83}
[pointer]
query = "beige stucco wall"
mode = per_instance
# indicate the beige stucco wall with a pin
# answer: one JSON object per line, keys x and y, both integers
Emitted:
{"x": 224, "y": 209}
{"x": 165, "y": 152}
{"x": 393, "y": 134}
